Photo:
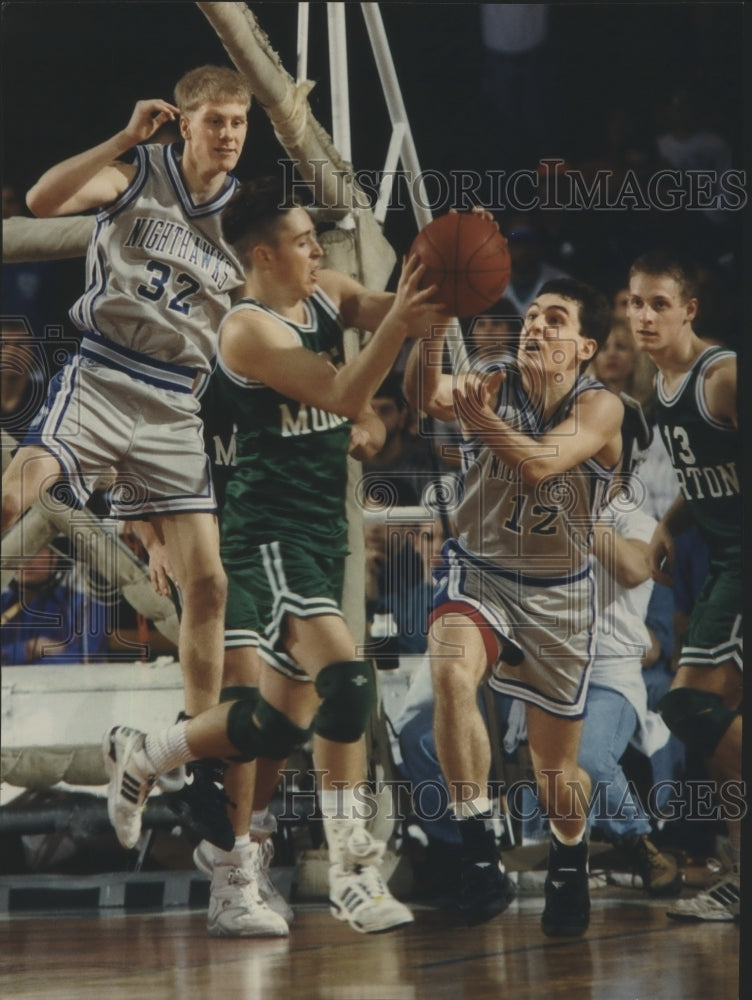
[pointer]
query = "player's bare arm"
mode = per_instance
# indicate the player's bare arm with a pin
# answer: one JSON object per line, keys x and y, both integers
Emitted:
{"x": 677, "y": 519}
{"x": 367, "y": 436}
{"x": 94, "y": 178}
{"x": 625, "y": 559}
{"x": 359, "y": 307}
{"x": 160, "y": 569}
{"x": 259, "y": 347}
{"x": 592, "y": 430}
{"x": 720, "y": 392}
{"x": 427, "y": 388}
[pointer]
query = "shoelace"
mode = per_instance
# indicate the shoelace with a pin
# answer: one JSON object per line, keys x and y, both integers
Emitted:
{"x": 366, "y": 852}
{"x": 652, "y": 858}
{"x": 370, "y": 880}
{"x": 263, "y": 863}
{"x": 247, "y": 881}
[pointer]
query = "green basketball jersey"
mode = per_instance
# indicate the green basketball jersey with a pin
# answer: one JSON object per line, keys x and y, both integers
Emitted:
{"x": 290, "y": 477}
{"x": 219, "y": 434}
{"x": 706, "y": 456}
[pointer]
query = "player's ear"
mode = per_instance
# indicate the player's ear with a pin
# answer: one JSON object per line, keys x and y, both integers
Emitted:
{"x": 184, "y": 124}
{"x": 691, "y": 308}
{"x": 262, "y": 255}
{"x": 587, "y": 350}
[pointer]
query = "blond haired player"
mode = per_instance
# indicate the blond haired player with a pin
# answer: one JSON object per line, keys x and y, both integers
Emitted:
{"x": 158, "y": 278}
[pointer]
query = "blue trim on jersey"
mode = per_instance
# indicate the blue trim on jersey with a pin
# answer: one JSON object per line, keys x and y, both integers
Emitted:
{"x": 43, "y": 432}
{"x": 191, "y": 209}
{"x": 133, "y": 190}
{"x": 178, "y": 378}
{"x": 453, "y": 548}
{"x": 176, "y": 503}
{"x": 82, "y": 312}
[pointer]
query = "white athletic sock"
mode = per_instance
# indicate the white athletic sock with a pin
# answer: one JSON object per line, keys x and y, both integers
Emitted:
{"x": 236, "y": 856}
{"x": 567, "y": 841}
{"x": 169, "y": 748}
{"x": 263, "y": 824}
{"x": 479, "y": 806}
{"x": 340, "y": 815}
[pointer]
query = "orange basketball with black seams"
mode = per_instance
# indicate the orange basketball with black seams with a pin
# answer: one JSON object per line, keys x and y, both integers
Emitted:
{"x": 467, "y": 257}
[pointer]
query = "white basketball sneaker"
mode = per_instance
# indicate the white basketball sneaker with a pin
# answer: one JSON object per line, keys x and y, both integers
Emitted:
{"x": 260, "y": 860}
{"x": 357, "y": 891}
{"x": 720, "y": 901}
{"x": 236, "y": 908}
{"x": 132, "y": 777}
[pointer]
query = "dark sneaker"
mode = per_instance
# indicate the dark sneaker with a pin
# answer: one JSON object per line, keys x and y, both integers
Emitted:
{"x": 567, "y": 909}
{"x": 201, "y": 805}
{"x": 659, "y": 872}
{"x": 485, "y": 890}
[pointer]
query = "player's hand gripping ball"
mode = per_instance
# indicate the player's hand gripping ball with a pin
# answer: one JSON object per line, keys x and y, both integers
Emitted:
{"x": 467, "y": 257}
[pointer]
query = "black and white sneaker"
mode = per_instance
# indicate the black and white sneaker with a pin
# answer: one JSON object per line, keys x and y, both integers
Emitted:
{"x": 201, "y": 804}
{"x": 721, "y": 901}
{"x": 132, "y": 777}
{"x": 357, "y": 891}
{"x": 567, "y": 909}
{"x": 485, "y": 891}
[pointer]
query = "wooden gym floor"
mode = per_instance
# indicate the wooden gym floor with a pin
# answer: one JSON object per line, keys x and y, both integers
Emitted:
{"x": 632, "y": 951}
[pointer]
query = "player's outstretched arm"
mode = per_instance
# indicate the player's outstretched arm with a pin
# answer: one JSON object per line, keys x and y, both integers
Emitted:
{"x": 677, "y": 519}
{"x": 428, "y": 389}
{"x": 624, "y": 559}
{"x": 260, "y": 348}
{"x": 93, "y": 178}
{"x": 367, "y": 436}
{"x": 592, "y": 430}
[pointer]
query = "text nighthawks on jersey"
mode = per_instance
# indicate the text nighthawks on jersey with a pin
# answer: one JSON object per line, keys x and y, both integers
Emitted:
{"x": 698, "y": 482}
{"x": 309, "y": 420}
{"x": 173, "y": 240}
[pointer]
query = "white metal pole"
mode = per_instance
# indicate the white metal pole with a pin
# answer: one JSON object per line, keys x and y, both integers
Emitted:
{"x": 302, "y": 49}
{"x": 338, "y": 79}
{"x": 397, "y": 110}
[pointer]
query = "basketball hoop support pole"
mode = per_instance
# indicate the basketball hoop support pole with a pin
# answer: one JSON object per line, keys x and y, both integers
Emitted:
{"x": 401, "y": 145}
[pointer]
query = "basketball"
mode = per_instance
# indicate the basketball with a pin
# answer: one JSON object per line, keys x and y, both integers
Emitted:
{"x": 467, "y": 257}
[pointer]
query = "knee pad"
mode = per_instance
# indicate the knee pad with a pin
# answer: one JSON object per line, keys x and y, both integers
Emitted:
{"x": 259, "y": 730}
{"x": 239, "y": 692}
{"x": 698, "y": 718}
{"x": 348, "y": 693}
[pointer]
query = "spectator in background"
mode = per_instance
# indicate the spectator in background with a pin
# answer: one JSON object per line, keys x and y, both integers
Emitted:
{"x": 530, "y": 269}
{"x": 29, "y": 288}
{"x": 518, "y": 90}
{"x": 397, "y": 475}
{"x": 685, "y": 144}
{"x": 46, "y": 619}
{"x": 623, "y": 368}
{"x": 399, "y": 560}
{"x": 23, "y": 379}
{"x": 484, "y": 331}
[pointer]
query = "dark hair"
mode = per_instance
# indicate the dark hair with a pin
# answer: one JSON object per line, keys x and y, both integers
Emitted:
{"x": 253, "y": 212}
{"x": 594, "y": 313}
{"x": 391, "y": 388}
{"x": 667, "y": 262}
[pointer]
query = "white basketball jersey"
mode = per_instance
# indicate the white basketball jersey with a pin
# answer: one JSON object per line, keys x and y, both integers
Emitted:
{"x": 542, "y": 531}
{"x": 158, "y": 271}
